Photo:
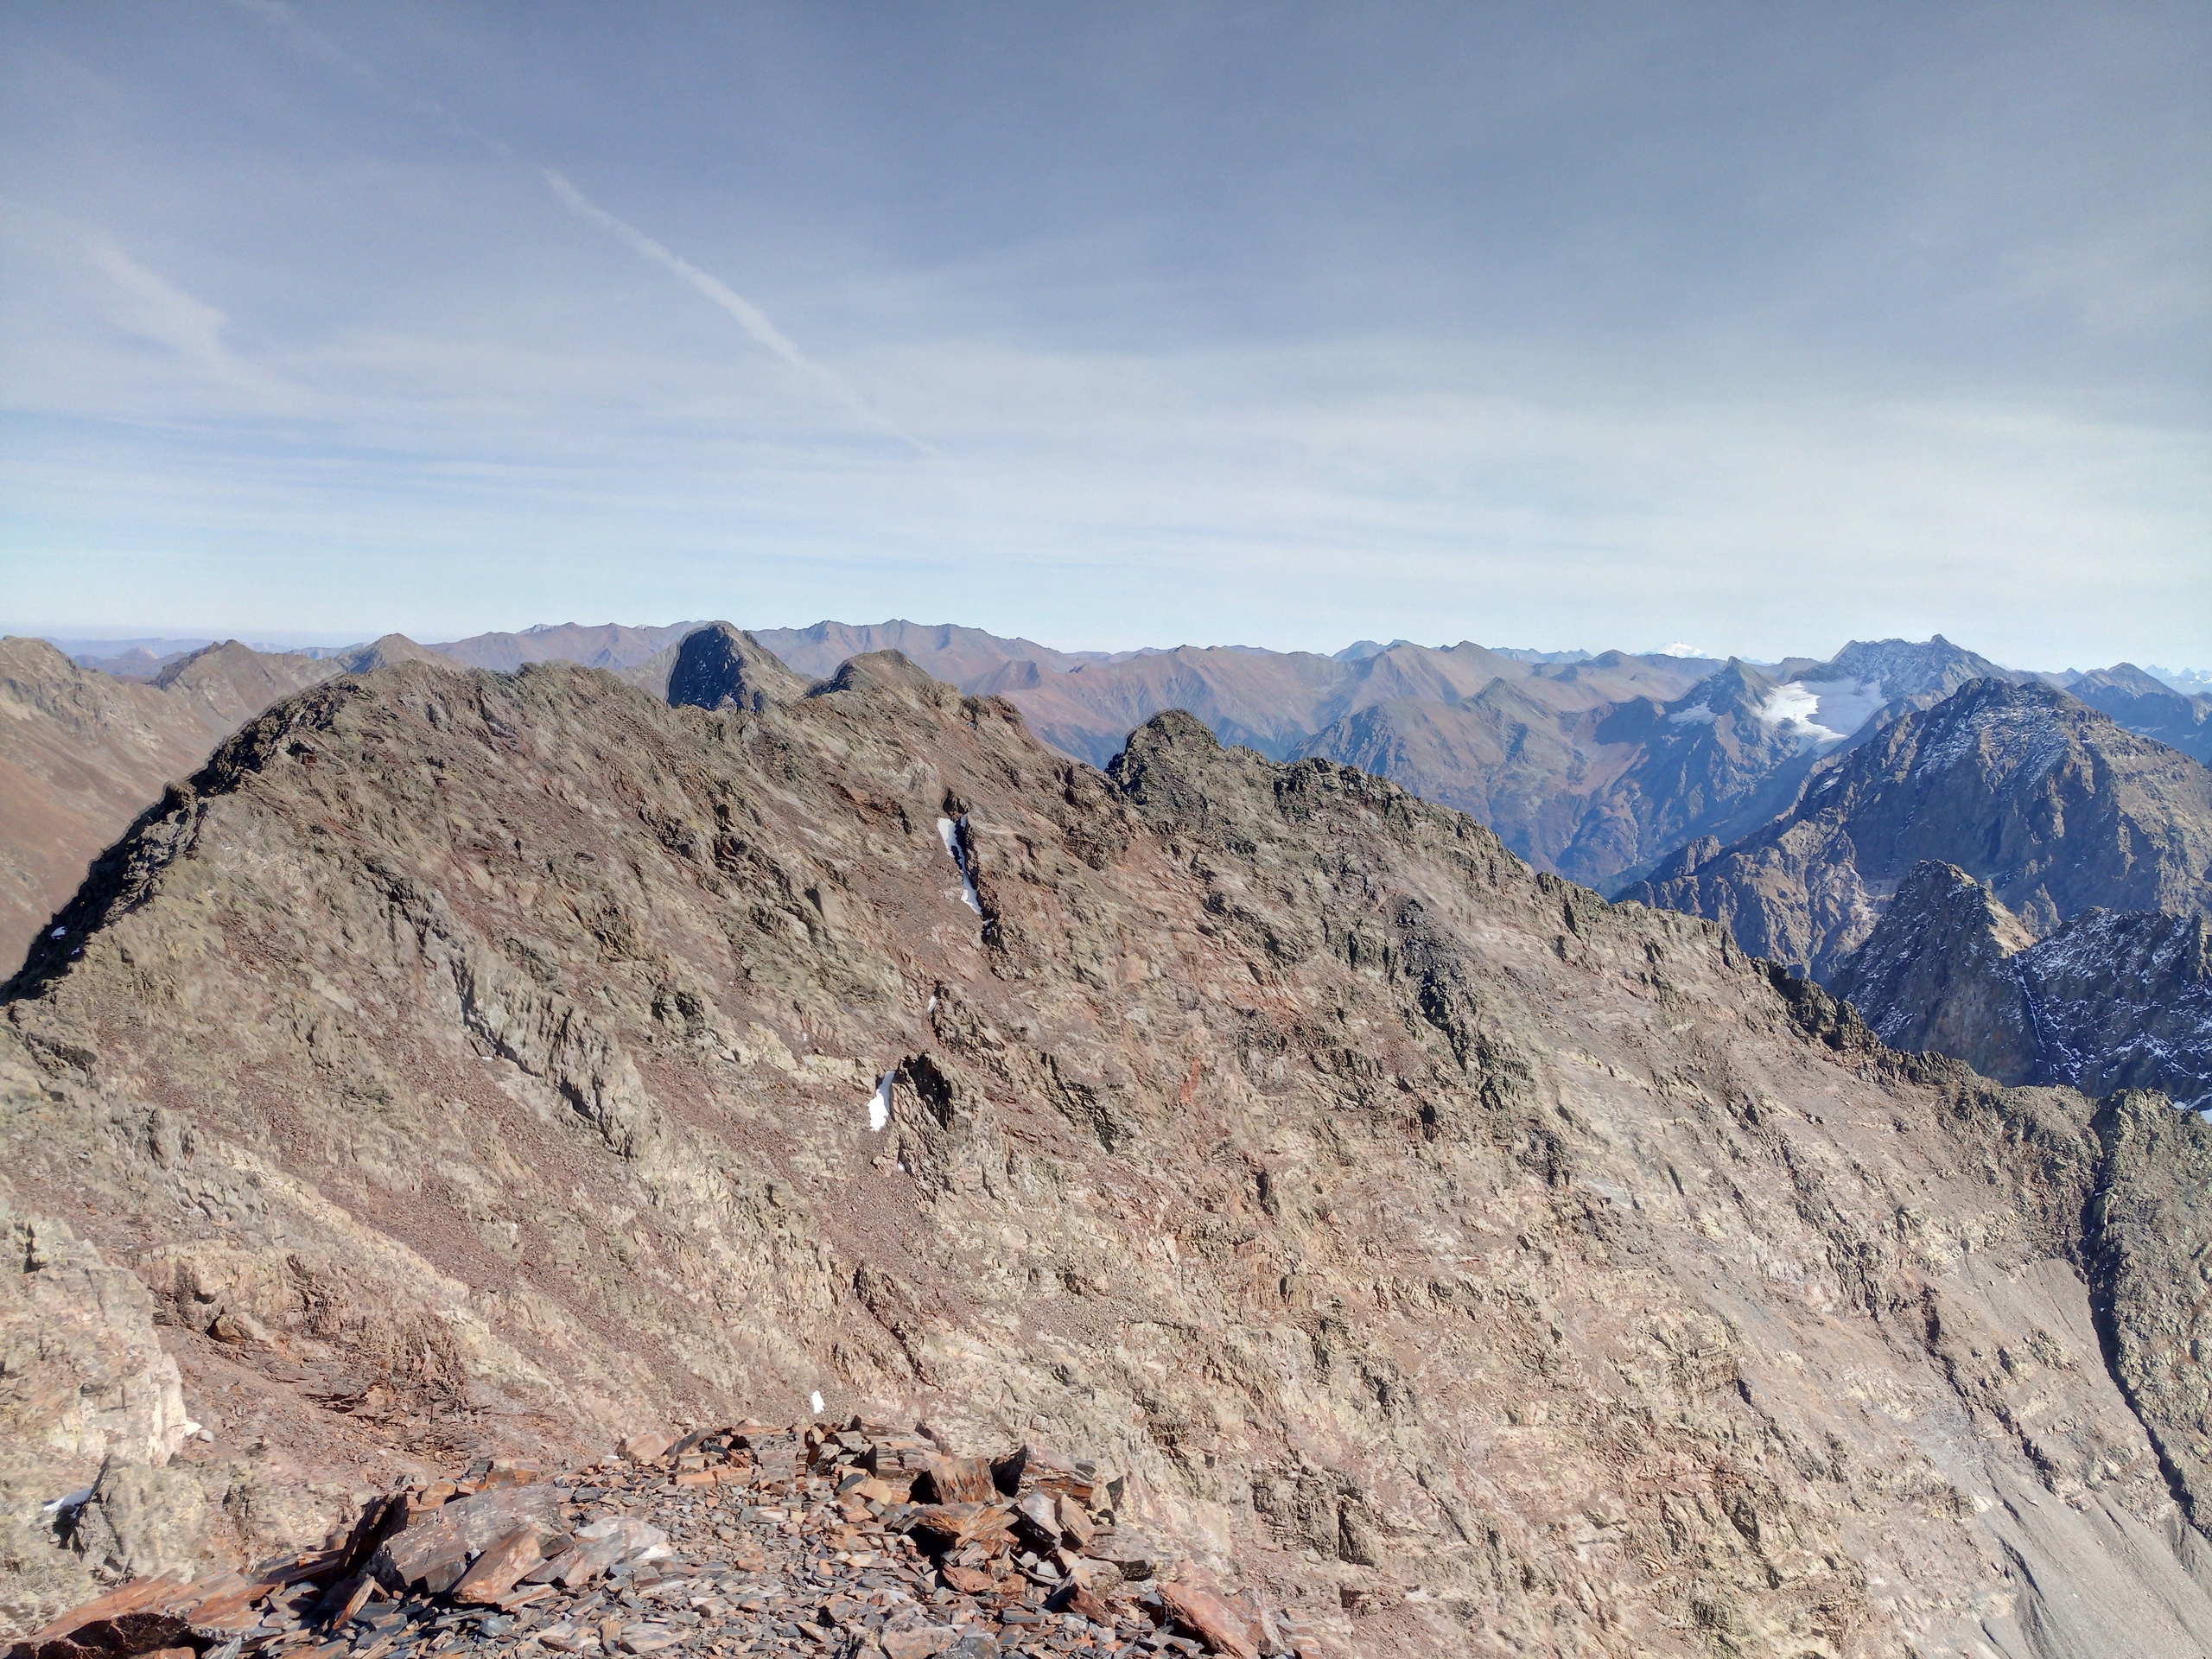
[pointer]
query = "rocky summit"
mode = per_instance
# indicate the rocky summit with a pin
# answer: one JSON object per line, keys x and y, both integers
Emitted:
{"x": 848, "y": 1538}
{"x": 468, "y": 1070}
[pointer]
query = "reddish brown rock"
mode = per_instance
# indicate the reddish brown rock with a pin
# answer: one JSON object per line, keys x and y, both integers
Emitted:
{"x": 500, "y": 1567}
{"x": 437, "y": 1543}
{"x": 921, "y": 1643}
{"x": 960, "y": 1480}
{"x": 1218, "y": 1622}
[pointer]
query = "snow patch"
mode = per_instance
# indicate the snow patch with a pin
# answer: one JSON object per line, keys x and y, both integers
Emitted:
{"x": 1697, "y": 714}
{"x": 1678, "y": 649}
{"x": 879, "y": 1105}
{"x": 1821, "y": 713}
{"x": 815, "y": 1400}
{"x": 955, "y": 837}
{"x": 1845, "y": 705}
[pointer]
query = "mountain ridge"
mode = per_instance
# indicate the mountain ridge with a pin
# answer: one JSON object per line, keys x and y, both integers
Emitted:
{"x": 1402, "y": 1217}
{"x": 2108, "y": 1001}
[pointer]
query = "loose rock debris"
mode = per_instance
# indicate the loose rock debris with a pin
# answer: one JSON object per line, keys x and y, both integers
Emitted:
{"x": 841, "y": 1540}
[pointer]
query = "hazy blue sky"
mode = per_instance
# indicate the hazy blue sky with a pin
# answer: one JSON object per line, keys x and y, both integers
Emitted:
{"x": 1752, "y": 326}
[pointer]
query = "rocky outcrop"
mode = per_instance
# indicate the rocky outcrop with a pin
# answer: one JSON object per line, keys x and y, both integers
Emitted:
{"x": 103, "y": 1477}
{"x": 1937, "y": 975}
{"x": 859, "y": 1537}
{"x": 719, "y": 667}
{"x": 1457, "y": 1262}
{"x": 86, "y": 1395}
{"x": 2059, "y": 808}
{"x": 2113, "y": 1001}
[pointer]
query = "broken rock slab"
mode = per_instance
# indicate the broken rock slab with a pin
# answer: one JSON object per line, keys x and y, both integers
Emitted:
{"x": 434, "y": 1547}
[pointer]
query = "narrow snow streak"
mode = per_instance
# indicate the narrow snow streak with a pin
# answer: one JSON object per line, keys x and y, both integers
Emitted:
{"x": 879, "y": 1105}
{"x": 955, "y": 844}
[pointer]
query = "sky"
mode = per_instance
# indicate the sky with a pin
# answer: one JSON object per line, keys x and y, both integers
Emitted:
{"x": 1754, "y": 329}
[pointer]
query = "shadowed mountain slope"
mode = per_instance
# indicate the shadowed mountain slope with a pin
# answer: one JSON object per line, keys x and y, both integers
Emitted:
{"x": 2149, "y": 706}
{"x": 2112, "y": 1000}
{"x": 1392, "y": 1215}
{"x": 2058, "y": 807}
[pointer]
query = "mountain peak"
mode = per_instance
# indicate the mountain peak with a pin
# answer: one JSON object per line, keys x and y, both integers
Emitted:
{"x": 1908, "y": 668}
{"x": 723, "y": 667}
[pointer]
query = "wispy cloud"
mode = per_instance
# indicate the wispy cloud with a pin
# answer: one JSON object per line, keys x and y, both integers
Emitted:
{"x": 750, "y": 317}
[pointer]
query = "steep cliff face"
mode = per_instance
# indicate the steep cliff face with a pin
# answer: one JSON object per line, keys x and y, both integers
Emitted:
{"x": 2114, "y": 1000}
{"x": 1937, "y": 975}
{"x": 2059, "y": 808}
{"x": 1487, "y": 1268}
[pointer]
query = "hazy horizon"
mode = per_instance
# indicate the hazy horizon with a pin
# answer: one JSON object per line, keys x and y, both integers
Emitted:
{"x": 278, "y": 639}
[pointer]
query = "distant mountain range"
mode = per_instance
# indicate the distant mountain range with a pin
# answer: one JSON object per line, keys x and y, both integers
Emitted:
{"x": 2011, "y": 877}
{"x": 1593, "y": 765}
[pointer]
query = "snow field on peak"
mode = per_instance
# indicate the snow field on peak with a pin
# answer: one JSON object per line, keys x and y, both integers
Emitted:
{"x": 1823, "y": 713}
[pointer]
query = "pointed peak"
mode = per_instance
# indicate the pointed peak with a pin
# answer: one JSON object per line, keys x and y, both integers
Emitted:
{"x": 720, "y": 666}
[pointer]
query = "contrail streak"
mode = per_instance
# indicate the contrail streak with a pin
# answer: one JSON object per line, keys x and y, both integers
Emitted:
{"x": 749, "y": 316}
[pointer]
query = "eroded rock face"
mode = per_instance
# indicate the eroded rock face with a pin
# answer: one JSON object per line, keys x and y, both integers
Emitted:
{"x": 2114, "y": 1000}
{"x": 1936, "y": 975}
{"x": 2058, "y": 807}
{"x": 1482, "y": 1267}
{"x": 84, "y": 1384}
